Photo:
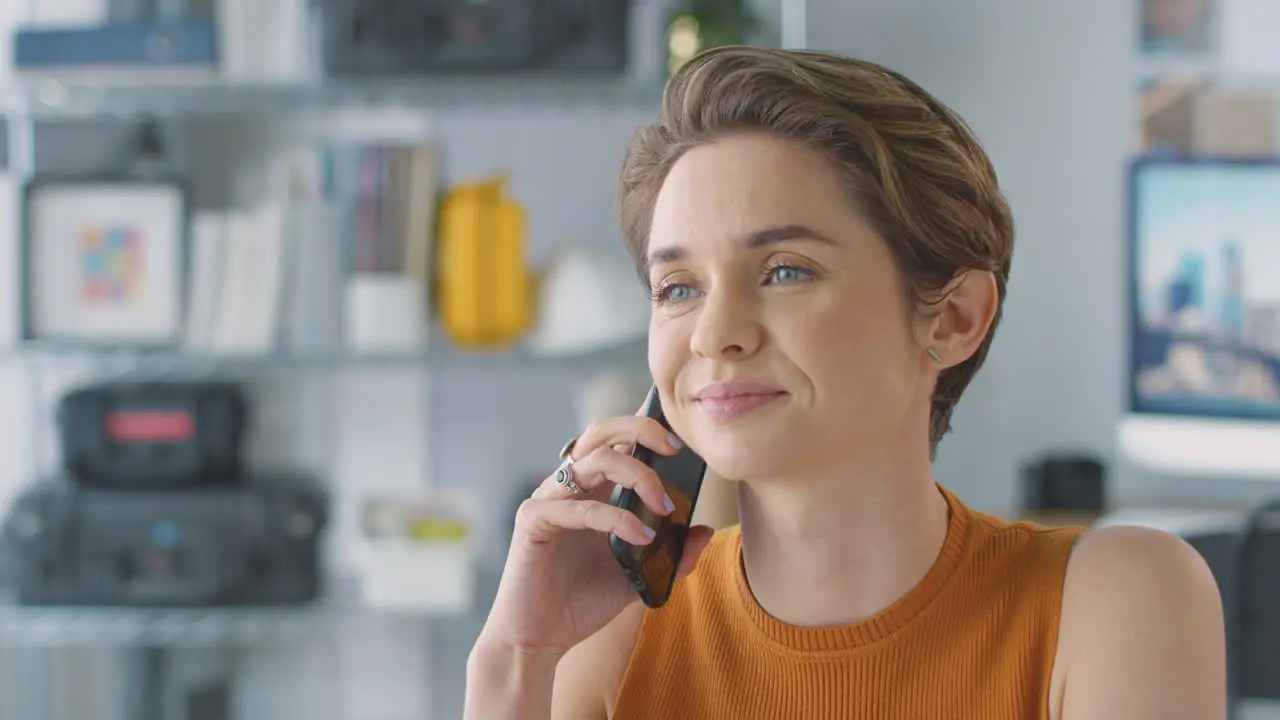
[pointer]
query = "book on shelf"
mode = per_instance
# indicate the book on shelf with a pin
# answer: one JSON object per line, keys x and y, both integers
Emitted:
{"x": 275, "y": 277}
{"x": 271, "y": 41}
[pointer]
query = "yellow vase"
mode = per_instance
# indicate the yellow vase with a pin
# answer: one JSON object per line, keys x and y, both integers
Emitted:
{"x": 485, "y": 288}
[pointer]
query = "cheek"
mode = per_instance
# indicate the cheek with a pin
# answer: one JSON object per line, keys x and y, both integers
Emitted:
{"x": 860, "y": 352}
{"x": 668, "y": 354}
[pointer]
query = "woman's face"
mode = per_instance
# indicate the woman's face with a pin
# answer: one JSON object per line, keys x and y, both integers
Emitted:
{"x": 779, "y": 339}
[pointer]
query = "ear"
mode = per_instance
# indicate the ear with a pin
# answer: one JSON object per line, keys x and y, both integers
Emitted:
{"x": 957, "y": 325}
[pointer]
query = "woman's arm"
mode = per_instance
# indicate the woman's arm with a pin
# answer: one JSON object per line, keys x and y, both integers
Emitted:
{"x": 590, "y": 677}
{"x": 508, "y": 683}
{"x": 581, "y": 685}
{"x": 1142, "y": 634}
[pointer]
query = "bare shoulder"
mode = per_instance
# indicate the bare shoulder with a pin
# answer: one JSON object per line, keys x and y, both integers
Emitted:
{"x": 589, "y": 676}
{"x": 1142, "y": 633}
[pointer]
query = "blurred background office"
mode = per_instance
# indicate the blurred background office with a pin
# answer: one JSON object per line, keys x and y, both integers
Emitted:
{"x": 299, "y": 299}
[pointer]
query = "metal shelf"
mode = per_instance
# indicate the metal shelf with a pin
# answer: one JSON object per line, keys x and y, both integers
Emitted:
{"x": 439, "y": 355}
{"x": 61, "y": 627}
{"x": 44, "y": 627}
{"x": 86, "y": 97}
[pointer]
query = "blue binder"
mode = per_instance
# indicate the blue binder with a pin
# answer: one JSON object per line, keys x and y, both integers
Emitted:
{"x": 186, "y": 44}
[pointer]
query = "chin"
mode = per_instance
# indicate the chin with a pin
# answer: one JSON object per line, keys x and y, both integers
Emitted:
{"x": 746, "y": 455}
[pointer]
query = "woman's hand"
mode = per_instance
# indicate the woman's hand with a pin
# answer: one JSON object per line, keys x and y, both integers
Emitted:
{"x": 561, "y": 582}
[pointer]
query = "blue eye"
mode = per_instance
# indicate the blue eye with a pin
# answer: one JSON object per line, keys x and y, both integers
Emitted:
{"x": 671, "y": 293}
{"x": 676, "y": 293}
{"x": 788, "y": 274}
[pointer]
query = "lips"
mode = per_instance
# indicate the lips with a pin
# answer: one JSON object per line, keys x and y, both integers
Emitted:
{"x": 736, "y": 399}
{"x": 736, "y": 388}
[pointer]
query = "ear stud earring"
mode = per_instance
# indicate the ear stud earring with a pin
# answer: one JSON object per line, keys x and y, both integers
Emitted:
{"x": 933, "y": 354}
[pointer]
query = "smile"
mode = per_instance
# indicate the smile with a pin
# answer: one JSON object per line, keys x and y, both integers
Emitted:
{"x": 731, "y": 401}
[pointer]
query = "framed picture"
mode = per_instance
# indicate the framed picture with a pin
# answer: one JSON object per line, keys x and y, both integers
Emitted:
{"x": 104, "y": 261}
{"x": 1178, "y": 28}
{"x": 1204, "y": 288}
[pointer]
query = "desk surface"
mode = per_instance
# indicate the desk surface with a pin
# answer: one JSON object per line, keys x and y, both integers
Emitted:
{"x": 1172, "y": 519}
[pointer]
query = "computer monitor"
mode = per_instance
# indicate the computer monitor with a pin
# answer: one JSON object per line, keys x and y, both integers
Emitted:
{"x": 1204, "y": 331}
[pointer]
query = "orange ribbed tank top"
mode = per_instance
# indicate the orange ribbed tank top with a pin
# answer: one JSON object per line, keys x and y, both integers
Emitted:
{"x": 975, "y": 639}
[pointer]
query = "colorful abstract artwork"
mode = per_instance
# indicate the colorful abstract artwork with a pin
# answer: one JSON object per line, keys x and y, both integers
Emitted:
{"x": 113, "y": 269}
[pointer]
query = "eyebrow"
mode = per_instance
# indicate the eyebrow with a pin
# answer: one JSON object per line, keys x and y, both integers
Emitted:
{"x": 758, "y": 239}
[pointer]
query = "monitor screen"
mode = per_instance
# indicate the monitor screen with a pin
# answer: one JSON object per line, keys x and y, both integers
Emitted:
{"x": 1205, "y": 289}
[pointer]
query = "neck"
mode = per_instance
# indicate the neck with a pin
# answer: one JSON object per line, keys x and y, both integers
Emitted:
{"x": 839, "y": 548}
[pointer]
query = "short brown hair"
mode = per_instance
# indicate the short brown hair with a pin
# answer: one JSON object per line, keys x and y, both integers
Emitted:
{"x": 911, "y": 164}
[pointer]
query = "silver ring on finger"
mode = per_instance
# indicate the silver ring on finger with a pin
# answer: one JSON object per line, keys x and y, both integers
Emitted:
{"x": 565, "y": 478}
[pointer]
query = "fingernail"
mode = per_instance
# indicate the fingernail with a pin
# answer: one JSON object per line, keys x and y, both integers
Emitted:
{"x": 674, "y": 442}
{"x": 666, "y": 501}
{"x": 648, "y": 532}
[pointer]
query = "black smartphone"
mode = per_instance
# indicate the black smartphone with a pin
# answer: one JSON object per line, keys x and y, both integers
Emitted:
{"x": 652, "y": 568}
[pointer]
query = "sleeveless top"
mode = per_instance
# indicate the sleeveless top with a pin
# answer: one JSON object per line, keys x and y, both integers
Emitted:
{"x": 974, "y": 639}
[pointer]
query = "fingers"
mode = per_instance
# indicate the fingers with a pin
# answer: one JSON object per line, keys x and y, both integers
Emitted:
{"x": 624, "y": 433}
{"x": 541, "y": 520}
{"x": 697, "y": 540}
{"x": 607, "y": 466}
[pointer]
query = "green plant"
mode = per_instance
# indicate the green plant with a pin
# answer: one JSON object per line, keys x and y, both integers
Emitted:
{"x": 697, "y": 25}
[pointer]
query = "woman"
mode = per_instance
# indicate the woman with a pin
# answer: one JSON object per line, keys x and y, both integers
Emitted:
{"x": 827, "y": 251}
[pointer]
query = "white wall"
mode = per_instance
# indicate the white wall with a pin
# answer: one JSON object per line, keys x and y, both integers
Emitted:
{"x": 1048, "y": 87}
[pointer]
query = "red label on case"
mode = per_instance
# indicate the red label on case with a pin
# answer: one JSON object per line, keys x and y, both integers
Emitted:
{"x": 150, "y": 426}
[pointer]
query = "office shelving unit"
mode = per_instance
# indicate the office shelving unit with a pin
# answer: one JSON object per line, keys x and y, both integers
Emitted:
{"x": 28, "y": 103}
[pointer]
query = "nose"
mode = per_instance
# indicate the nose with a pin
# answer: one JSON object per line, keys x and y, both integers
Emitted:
{"x": 728, "y": 326}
